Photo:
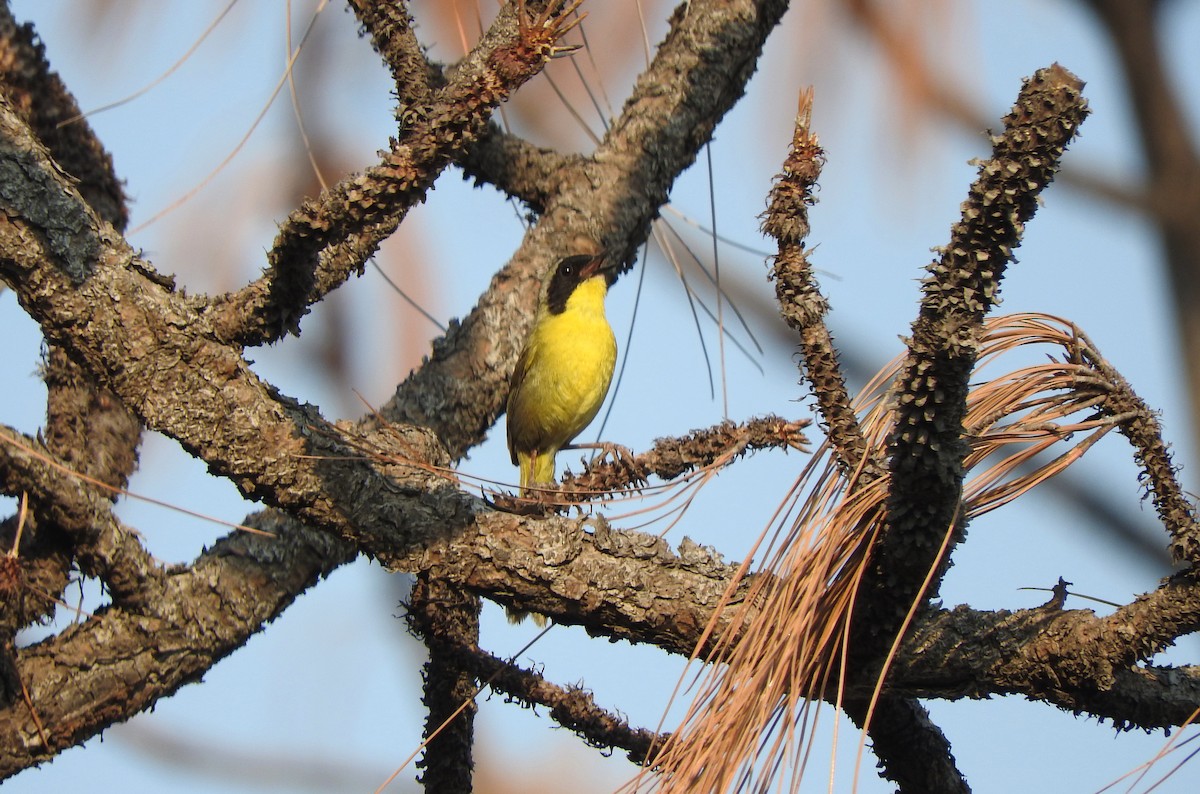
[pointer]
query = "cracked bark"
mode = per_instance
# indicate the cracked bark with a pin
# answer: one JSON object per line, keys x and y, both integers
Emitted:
{"x": 177, "y": 363}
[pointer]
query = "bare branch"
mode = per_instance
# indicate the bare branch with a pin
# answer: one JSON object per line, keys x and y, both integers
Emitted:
{"x": 205, "y": 612}
{"x": 391, "y": 29}
{"x": 572, "y": 707}
{"x": 87, "y": 427}
{"x": 48, "y": 107}
{"x": 271, "y": 447}
{"x": 913, "y": 752}
{"x": 670, "y": 458}
{"x": 1071, "y": 658}
{"x": 526, "y": 172}
{"x": 446, "y": 619}
{"x": 618, "y": 583}
{"x": 1140, "y": 425}
{"x": 104, "y": 548}
{"x": 927, "y": 448}
{"x": 801, "y": 303}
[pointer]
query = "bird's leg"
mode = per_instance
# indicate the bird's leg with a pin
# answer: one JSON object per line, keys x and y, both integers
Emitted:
{"x": 534, "y": 489}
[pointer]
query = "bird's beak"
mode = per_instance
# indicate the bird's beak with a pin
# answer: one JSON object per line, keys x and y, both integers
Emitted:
{"x": 598, "y": 265}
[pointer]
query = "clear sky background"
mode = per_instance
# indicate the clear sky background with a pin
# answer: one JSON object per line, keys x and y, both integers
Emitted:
{"x": 327, "y": 699}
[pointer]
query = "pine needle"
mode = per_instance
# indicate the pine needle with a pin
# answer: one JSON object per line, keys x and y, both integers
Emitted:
{"x": 754, "y": 716}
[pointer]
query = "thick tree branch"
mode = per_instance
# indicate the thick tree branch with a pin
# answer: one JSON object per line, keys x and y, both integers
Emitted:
{"x": 120, "y": 662}
{"x": 1072, "y": 658}
{"x": 446, "y": 619}
{"x": 926, "y": 448}
{"x": 950, "y": 654}
{"x": 87, "y": 427}
{"x": 51, "y": 112}
{"x": 913, "y": 753}
{"x": 617, "y": 584}
{"x": 620, "y": 584}
{"x": 138, "y": 333}
{"x": 102, "y": 546}
{"x": 206, "y": 610}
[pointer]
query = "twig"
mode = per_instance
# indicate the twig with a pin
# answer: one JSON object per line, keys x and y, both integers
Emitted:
{"x": 801, "y": 303}
{"x": 669, "y": 458}
{"x": 572, "y": 707}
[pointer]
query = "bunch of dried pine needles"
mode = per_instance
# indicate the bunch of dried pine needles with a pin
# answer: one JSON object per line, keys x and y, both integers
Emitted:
{"x": 754, "y": 719}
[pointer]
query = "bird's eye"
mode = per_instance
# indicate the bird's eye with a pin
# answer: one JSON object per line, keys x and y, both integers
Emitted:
{"x": 566, "y": 269}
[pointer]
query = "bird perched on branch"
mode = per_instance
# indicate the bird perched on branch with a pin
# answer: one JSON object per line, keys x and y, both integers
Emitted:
{"x": 563, "y": 373}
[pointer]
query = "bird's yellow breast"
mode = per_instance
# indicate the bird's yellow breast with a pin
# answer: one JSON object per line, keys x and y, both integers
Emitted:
{"x": 563, "y": 375}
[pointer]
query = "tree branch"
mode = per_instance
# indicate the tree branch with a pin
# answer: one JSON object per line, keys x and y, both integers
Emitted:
{"x": 119, "y": 661}
{"x": 100, "y": 545}
{"x": 670, "y": 458}
{"x": 913, "y": 753}
{"x": 801, "y": 303}
{"x": 926, "y": 448}
{"x": 42, "y": 99}
{"x": 394, "y": 39}
{"x": 531, "y": 174}
{"x": 1071, "y": 658}
{"x": 446, "y": 619}
{"x": 177, "y": 363}
{"x": 572, "y": 707}
{"x": 1172, "y": 188}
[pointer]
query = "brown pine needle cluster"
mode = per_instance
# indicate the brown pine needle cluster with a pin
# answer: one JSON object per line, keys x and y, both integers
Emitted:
{"x": 758, "y": 705}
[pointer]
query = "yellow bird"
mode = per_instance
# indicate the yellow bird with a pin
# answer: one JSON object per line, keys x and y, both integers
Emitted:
{"x": 564, "y": 371}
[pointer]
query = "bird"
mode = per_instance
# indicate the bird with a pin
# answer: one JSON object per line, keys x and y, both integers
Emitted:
{"x": 563, "y": 373}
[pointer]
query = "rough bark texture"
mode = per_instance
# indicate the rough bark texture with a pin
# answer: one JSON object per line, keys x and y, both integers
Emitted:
{"x": 927, "y": 446}
{"x": 128, "y": 350}
{"x": 447, "y": 619}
